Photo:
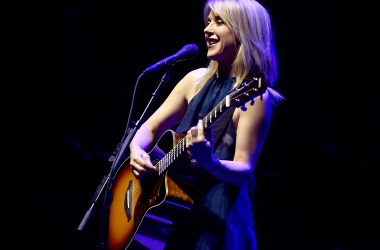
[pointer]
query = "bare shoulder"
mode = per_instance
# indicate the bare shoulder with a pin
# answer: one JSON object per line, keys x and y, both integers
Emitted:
{"x": 195, "y": 75}
{"x": 190, "y": 81}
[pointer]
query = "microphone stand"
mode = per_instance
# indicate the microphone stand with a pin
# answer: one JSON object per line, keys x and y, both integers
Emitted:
{"x": 116, "y": 161}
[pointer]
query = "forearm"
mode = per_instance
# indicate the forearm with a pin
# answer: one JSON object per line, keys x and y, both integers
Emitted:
{"x": 232, "y": 172}
{"x": 143, "y": 138}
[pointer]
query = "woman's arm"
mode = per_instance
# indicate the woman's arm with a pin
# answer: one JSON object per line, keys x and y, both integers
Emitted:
{"x": 165, "y": 117}
{"x": 252, "y": 127}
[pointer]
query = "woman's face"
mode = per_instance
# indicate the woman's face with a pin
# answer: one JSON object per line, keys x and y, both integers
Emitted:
{"x": 220, "y": 40}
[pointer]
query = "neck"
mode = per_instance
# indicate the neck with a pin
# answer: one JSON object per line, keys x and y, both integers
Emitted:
{"x": 224, "y": 73}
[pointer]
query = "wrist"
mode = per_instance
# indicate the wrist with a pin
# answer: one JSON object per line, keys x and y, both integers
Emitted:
{"x": 214, "y": 165}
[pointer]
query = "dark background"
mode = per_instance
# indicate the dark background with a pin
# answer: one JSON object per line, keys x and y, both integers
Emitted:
{"x": 68, "y": 74}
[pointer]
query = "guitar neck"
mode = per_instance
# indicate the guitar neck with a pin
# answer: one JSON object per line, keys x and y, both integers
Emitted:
{"x": 216, "y": 112}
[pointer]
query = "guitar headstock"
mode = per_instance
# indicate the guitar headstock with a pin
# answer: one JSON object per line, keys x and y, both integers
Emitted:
{"x": 247, "y": 91}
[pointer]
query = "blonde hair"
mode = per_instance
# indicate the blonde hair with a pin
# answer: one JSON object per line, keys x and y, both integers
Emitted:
{"x": 251, "y": 26}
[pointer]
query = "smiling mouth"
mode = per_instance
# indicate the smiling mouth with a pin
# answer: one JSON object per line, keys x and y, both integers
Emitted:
{"x": 211, "y": 42}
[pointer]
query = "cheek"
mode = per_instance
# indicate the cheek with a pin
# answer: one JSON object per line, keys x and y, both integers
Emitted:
{"x": 229, "y": 40}
{"x": 230, "y": 46}
{"x": 228, "y": 34}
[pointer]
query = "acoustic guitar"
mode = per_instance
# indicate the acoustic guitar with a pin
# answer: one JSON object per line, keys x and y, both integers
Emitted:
{"x": 133, "y": 198}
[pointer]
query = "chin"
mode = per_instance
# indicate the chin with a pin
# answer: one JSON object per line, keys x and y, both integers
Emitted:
{"x": 211, "y": 55}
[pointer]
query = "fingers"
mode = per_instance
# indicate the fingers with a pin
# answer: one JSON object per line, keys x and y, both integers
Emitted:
{"x": 201, "y": 135}
{"x": 195, "y": 134}
{"x": 141, "y": 165}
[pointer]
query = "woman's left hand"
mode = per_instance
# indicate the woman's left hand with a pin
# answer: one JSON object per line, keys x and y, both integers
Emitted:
{"x": 199, "y": 146}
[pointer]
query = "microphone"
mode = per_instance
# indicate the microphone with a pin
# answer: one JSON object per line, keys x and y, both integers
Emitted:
{"x": 188, "y": 51}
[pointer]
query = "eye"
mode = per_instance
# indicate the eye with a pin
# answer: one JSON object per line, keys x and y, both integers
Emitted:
{"x": 216, "y": 20}
{"x": 219, "y": 21}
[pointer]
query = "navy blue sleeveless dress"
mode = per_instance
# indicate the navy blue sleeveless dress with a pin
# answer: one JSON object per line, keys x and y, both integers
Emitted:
{"x": 221, "y": 216}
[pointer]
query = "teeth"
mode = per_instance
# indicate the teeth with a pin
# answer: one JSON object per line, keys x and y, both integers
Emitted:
{"x": 212, "y": 41}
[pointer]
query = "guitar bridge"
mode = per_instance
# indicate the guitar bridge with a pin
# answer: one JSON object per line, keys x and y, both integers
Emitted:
{"x": 128, "y": 200}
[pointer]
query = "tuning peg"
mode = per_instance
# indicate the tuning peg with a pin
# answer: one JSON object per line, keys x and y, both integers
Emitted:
{"x": 252, "y": 102}
{"x": 243, "y": 107}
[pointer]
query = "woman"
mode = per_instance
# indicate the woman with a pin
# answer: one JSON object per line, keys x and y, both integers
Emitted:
{"x": 240, "y": 47}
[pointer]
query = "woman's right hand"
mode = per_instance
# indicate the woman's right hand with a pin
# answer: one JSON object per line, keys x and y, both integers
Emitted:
{"x": 140, "y": 162}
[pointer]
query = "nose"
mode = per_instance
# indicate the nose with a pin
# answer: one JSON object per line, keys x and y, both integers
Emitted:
{"x": 208, "y": 30}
